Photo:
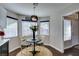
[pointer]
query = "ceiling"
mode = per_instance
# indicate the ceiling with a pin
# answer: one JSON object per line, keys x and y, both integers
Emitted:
{"x": 43, "y": 9}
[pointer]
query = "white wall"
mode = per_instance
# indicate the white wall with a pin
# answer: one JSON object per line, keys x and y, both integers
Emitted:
{"x": 13, "y": 44}
{"x": 2, "y": 17}
{"x": 57, "y": 27}
{"x": 75, "y": 32}
{"x": 56, "y": 33}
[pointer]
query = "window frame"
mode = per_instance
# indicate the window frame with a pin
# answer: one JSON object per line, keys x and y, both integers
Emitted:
{"x": 27, "y": 21}
{"x": 17, "y": 26}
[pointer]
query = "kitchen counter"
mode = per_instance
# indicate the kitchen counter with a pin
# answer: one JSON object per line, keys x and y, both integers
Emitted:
{"x": 4, "y": 47}
{"x": 3, "y": 41}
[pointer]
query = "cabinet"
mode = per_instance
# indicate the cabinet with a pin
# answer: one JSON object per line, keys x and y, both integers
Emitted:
{"x": 4, "y": 51}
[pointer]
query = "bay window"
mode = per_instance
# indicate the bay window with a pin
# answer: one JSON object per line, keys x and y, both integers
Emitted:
{"x": 11, "y": 28}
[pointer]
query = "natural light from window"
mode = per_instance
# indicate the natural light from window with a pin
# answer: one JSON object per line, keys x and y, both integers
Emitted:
{"x": 26, "y": 31}
{"x": 67, "y": 30}
{"x": 11, "y": 29}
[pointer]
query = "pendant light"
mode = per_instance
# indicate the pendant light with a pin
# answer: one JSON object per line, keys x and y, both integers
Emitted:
{"x": 34, "y": 17}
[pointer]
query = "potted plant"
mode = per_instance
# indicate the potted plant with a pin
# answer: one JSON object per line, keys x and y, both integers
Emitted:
{"x": 34, "y": 28}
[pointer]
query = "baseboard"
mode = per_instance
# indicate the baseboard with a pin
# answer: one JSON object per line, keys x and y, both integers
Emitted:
{"x": 56, "y": 48}
{"x": 14, "y": 49}
{"x": 70, "y": 46}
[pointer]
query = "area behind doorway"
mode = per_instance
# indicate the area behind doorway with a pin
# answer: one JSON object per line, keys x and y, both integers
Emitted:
{"x": 71, "y": 30}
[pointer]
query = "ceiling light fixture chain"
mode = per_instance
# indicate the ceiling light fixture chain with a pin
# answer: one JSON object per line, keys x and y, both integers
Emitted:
{"x": 35, "y": 5}
{"x": 34, "y": 17}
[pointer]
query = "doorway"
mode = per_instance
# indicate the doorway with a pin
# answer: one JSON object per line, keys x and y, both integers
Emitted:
{"x": 71, "y": 30}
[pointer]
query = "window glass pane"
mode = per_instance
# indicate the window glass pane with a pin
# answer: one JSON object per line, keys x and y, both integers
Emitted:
{"x": 26, "y": 31}
{"x": 67, "y": 30}
{"x": 11, "y": 29}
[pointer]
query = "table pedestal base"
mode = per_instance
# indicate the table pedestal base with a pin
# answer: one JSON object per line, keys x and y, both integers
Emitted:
{"x": 34, "y": 53}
